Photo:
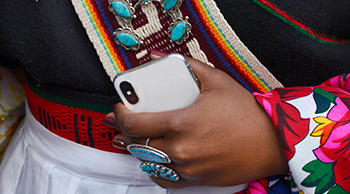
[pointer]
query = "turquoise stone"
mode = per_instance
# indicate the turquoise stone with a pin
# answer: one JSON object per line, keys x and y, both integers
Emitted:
{"x": 178, "y": 31}
{"x": 127, "y": 39}
{"x": 157, "y": 170}
{"x": 121, "y": 9}
{"x": 168, "y": 4}
{"x": 146, "y": 155}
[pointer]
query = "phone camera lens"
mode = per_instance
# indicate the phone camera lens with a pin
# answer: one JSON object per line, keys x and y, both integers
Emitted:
{"x": 129, "y": 92}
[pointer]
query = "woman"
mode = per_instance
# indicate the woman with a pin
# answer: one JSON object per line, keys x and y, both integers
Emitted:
{"x": 69, "y": 93}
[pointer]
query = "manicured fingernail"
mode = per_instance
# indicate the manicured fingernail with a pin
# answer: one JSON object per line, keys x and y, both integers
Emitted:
{"x": 117, "y": 143}
{"x": 159, "y": 53}
{"x": 109, "y": 122}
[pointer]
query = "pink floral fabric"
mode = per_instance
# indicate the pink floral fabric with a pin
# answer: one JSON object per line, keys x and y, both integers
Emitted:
{"x": 314, "y": 127}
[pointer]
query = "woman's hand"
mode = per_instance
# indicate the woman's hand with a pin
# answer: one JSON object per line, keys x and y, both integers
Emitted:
{"x": 223, "y": 139}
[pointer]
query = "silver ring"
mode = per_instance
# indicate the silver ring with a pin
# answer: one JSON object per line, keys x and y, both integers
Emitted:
{"x": 159, "y": 171}
{"x": 148, "y": 153}
{"x": 147, "y": 141}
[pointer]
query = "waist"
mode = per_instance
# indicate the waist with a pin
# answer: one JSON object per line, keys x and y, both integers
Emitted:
{"x": 75, "y": 120}
{"x": 79, "y": 123}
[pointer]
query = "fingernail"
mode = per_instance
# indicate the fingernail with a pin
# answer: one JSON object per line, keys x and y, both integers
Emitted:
{"x": 159, "y": 53}
{"x": 117, "y": 143}
{"x": 109, "y": 122}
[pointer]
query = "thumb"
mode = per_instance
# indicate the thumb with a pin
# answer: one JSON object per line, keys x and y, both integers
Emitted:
{"x": 208, "y": 76}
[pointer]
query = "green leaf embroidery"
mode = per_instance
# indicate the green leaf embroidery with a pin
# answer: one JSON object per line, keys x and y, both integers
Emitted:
{"x": 337, "y": 190}
{"x": 321, "y": 176}
{"x": 323, "y": 100}
{"x": 293, "y": 184}
{"x": 344, "y": 76}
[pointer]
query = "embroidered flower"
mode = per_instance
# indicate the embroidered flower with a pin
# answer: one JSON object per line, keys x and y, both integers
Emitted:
{"x": 335, "y": 141}
{"x": 258, "y": 187}
{"x": 286, "y": 118}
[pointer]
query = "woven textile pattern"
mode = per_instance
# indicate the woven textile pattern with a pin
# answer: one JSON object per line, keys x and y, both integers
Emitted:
{"x": 69, "y": 120}
{"x": 221, "y": 45}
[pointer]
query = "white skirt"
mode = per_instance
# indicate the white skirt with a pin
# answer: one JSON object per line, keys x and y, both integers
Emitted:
{"x": 40, "y": 162}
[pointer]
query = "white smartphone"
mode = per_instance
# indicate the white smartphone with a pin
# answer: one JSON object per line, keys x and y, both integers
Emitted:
{"x": 164, "y": 84}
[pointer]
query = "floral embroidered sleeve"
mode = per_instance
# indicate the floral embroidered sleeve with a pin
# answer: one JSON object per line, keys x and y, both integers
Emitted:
{"x": 314, "y": 126}
{"x": 11, "y": 106}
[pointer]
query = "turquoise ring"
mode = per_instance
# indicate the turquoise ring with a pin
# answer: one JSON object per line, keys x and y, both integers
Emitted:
{"x": 159, "y": 171}
{"x": 148, "y": 153}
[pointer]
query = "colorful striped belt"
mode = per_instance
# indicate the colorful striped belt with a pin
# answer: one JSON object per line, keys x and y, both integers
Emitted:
{"x": 77, "y": 121}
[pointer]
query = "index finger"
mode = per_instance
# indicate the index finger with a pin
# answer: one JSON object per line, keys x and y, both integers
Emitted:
{"x": 144, "y": 125}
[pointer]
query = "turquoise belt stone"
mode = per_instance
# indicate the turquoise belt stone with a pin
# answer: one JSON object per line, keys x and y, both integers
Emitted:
{"x": 171, "y": 4}
{"x": 127, "y": 38}
{"x": 179, "y": 30}
{"x": 121, "y": 9}
{"x": 159, "y": 171}
{"x": 148, "y": 153}
{"x": 124, "y": 11}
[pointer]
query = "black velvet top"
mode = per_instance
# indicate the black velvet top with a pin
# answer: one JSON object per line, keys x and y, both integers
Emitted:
{"x": 48, "y": 40}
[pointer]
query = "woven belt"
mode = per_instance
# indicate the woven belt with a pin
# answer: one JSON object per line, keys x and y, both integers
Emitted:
{"x": 76, "y": 121}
